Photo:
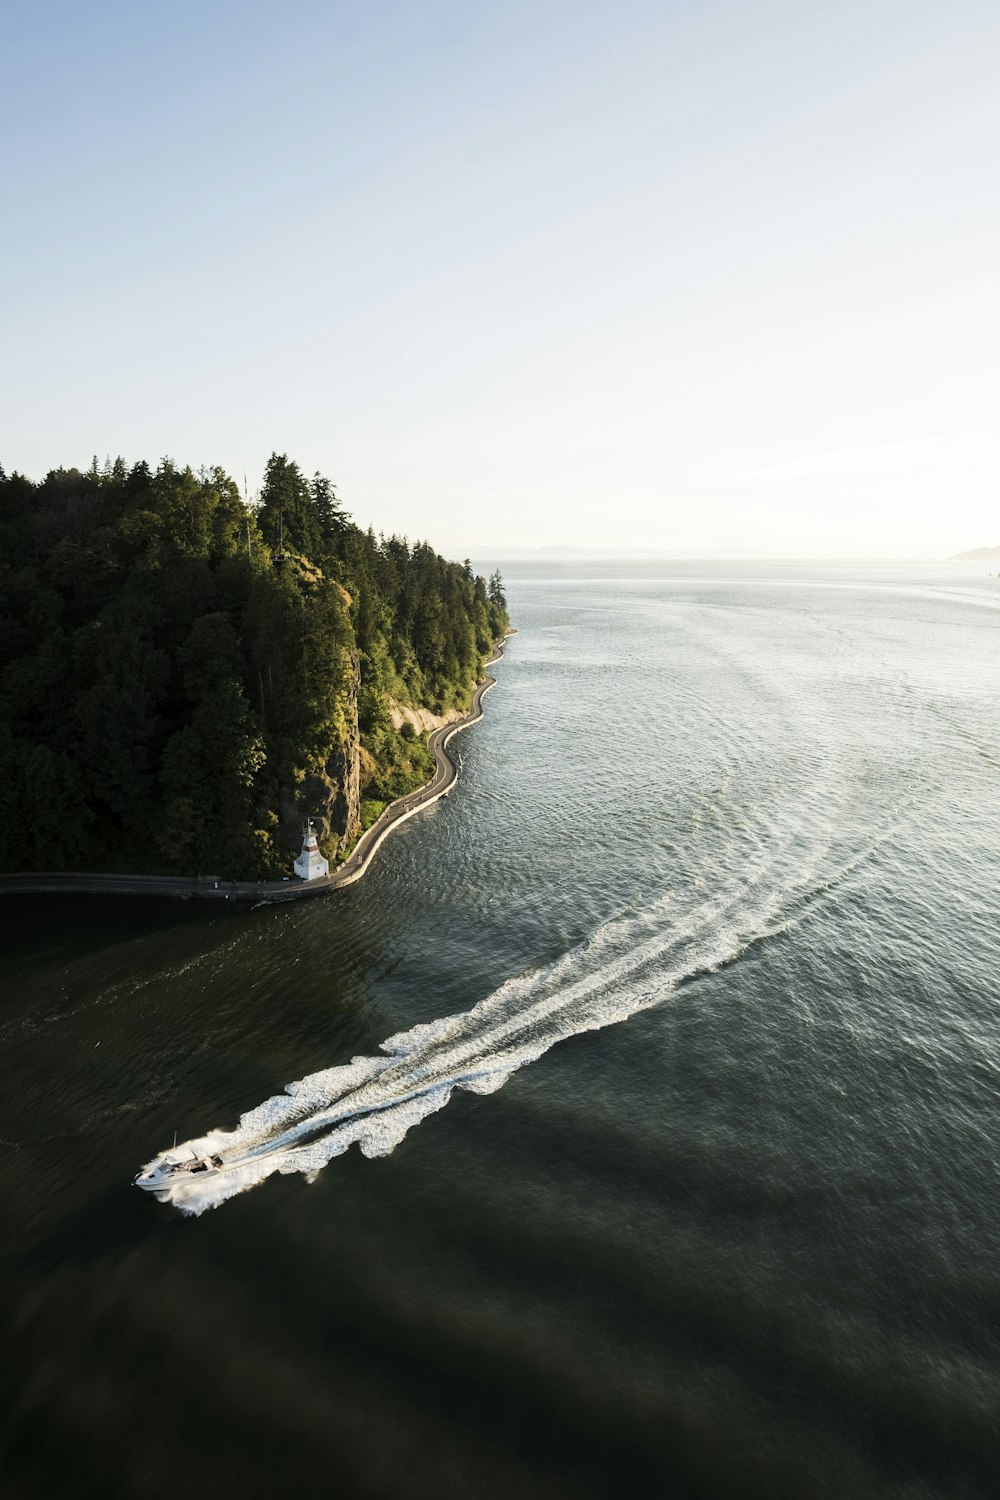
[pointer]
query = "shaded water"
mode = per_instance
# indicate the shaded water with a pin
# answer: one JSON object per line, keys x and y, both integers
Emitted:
{"x": 728, "y": 836}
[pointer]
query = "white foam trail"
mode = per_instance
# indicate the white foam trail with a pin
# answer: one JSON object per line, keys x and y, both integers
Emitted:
{"x": 627, "y": 965}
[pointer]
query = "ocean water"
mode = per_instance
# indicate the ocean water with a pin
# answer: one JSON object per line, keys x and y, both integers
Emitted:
{"x": 629, "y": 1130}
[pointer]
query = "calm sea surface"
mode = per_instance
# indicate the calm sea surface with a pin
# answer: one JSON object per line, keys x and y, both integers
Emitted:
{"x": 668, "y": 1162}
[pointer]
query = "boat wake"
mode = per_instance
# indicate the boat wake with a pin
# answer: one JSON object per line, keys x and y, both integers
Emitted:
{"x": 630, "y": 963}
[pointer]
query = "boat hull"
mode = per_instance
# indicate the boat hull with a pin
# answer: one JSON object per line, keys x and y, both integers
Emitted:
{"x": 165, "y": 1177}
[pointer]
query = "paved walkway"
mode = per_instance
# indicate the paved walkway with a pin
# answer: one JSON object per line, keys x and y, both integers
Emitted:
{"x": 209, "y": 888}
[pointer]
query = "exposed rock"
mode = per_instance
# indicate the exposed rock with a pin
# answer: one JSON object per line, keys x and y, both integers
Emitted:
{"x": 368, "y": 766}
{"x": 331, "y": 796}
{"x": 421, "y": 719}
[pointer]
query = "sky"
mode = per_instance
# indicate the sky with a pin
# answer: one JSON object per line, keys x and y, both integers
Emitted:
{"x": 671, "y": 276}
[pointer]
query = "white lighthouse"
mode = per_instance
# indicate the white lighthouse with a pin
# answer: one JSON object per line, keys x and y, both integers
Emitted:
{"x": 310, "y": 864}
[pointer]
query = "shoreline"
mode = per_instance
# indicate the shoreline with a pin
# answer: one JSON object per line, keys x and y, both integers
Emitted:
{"x": 271, "y": 892}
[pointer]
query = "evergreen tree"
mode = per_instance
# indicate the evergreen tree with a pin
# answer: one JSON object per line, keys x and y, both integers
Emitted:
{"x": 288, "y": 516}
{"x": 165, "y": 687}
{"x": 496, "y": 593}
{"x": 330, "y": 517}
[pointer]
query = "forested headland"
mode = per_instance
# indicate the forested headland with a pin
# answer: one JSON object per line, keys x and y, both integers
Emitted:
{"x": 184, "y": 676}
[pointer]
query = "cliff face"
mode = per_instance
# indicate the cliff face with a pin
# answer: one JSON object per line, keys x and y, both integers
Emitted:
{"x": 331, "y": 796}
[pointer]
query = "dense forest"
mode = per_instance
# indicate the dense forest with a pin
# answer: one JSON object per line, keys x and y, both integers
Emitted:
{"x": 184, "y": 676}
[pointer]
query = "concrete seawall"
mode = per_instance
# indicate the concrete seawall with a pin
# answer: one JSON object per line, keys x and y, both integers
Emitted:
{"x": 210, "y": 888}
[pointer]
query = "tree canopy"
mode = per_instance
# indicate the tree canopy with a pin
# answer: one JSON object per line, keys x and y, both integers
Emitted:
{"x": 175, "y": 661}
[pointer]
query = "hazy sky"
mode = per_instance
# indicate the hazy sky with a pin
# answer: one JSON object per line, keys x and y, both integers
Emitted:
{"x": 670, "y": 275}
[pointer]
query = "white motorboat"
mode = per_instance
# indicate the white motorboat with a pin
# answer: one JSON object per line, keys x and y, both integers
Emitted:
{"x": 170, "y": 1171}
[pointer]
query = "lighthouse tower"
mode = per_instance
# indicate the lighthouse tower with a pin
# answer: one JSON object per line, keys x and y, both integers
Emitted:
{"x": 310, "y": 864}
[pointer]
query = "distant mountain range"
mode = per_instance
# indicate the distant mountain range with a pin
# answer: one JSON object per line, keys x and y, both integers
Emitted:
{"x": 705, "y": 554}
{"x": 627, "y": 554}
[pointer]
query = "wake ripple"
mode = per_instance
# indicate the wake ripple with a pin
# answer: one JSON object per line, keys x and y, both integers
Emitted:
{"x": 630, "y": 963}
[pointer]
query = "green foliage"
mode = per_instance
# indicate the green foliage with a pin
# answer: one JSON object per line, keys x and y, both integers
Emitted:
{"x": 173, "y": 662}
{"x": 371, "y": 811}
{"x": 289, "y": 516}
{"x": 403, "y": 764}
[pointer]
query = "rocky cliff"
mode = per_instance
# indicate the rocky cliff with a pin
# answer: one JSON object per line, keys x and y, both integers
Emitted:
{"x": 331, "y": 796}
